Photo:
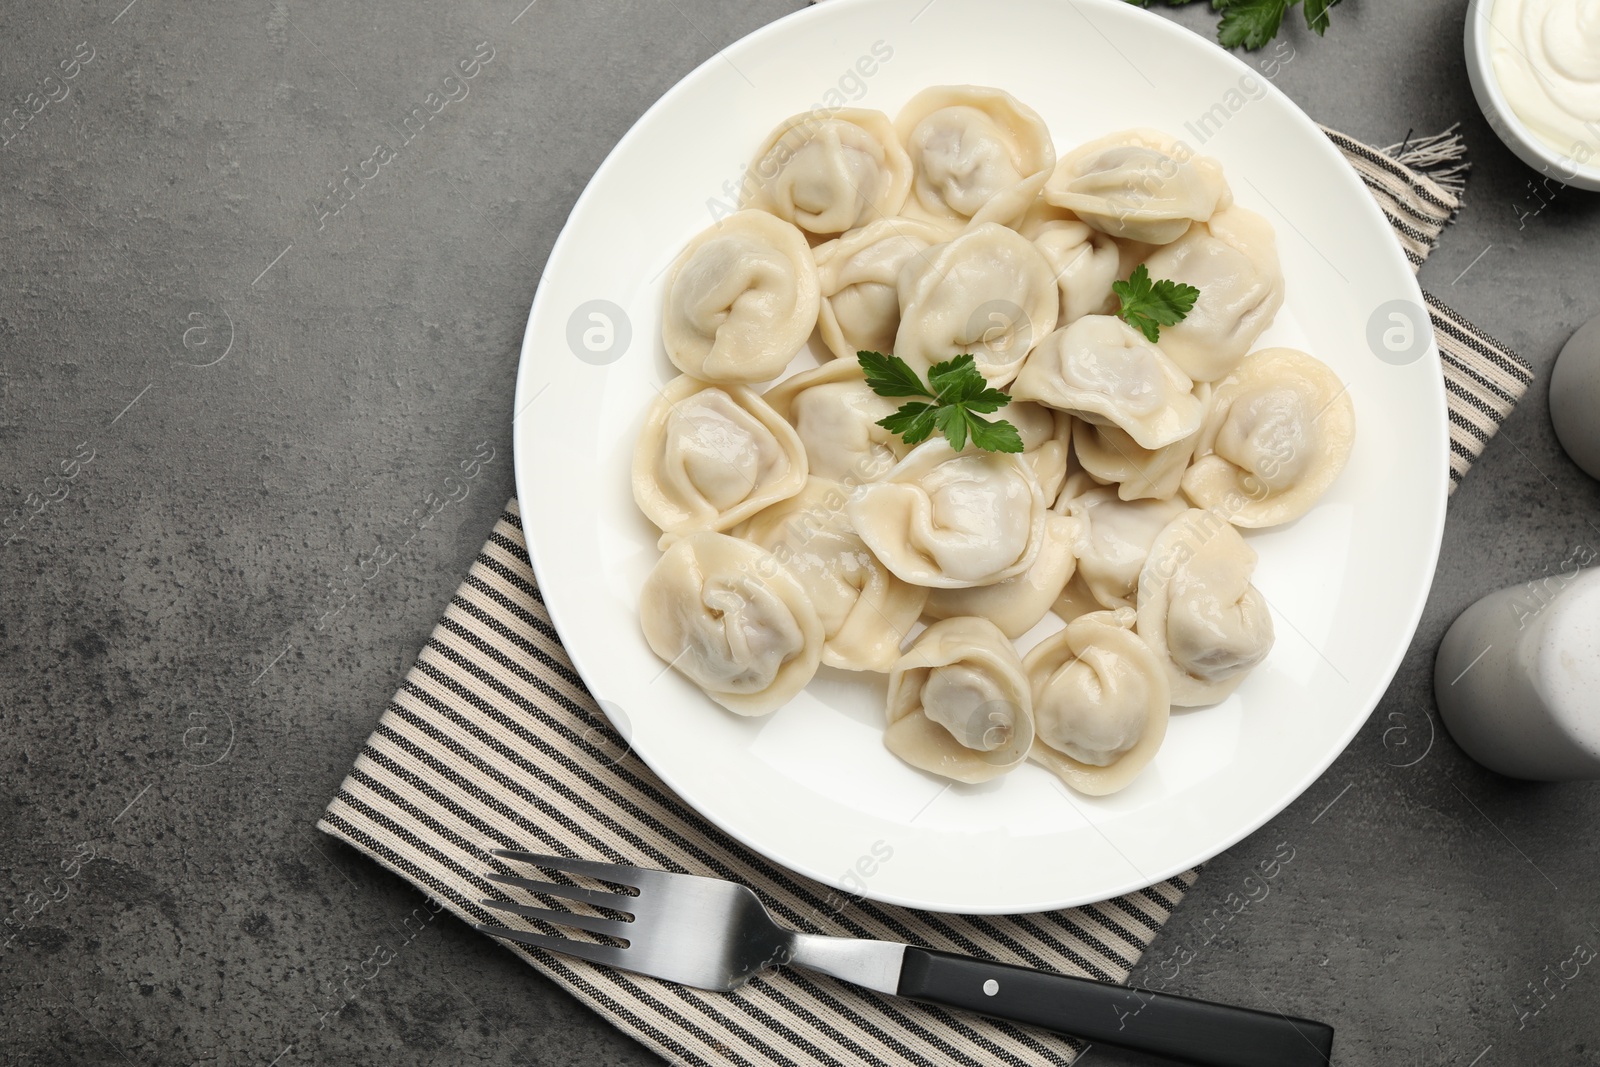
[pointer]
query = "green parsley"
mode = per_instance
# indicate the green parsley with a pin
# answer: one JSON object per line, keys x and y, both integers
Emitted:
{"x": 1252, "y": 23}
{"x": 954, "y": 397}
{"x": 1147, "y": 306}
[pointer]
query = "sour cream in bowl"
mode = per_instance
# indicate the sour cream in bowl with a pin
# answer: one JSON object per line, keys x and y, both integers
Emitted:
{"x": 1535, "y": 69}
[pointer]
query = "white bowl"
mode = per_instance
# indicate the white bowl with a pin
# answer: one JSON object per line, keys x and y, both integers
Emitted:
{"x": 1526, "y": 145}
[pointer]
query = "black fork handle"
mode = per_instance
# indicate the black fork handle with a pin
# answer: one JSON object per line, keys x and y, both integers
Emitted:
{"x": 1179, "y": 1028}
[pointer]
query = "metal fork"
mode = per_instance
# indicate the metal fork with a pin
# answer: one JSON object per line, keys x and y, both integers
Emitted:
{"x": 714, "y": 934}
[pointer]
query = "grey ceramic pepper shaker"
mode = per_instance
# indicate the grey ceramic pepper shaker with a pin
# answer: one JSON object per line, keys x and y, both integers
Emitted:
{"x": 1518, "y": 676}
{"x": 1575, "y": 397}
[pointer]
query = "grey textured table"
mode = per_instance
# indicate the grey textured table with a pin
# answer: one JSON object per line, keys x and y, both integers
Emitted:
{"x": 178, "y": 698}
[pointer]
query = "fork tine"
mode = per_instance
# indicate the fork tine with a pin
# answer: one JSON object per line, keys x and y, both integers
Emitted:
{"x": 605, "y": 955}
{"x": 614, "y": 901}
{"x": 619, "y": 873}
{"x": 592, "y": 923}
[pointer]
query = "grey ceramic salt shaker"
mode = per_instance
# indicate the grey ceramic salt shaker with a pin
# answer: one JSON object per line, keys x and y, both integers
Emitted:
{"x": 1575, "y": 397}
{"x": 1518, "y": 676}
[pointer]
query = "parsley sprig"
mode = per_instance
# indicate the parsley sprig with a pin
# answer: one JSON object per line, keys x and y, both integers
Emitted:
{"x": 954, "y": 397}
{"x": 1149, "y": 305}
{"x": 1252, "y": 23}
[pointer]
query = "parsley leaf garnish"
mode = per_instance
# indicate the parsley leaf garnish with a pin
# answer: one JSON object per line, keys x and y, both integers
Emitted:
{"x": 1252, "y": 23}
{"x": 954, "y": 397}
{"x": 890, "y": 376}
{"x": 913, "y": 422}
{"x": 1147, "y": 306}
{"x": 958, "y": 381}
{"x": 1317, "y": 15}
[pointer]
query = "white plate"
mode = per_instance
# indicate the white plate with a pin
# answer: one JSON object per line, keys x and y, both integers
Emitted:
{"x": 812, "y": 786}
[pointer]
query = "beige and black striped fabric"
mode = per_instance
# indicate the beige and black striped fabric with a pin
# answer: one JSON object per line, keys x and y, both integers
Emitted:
{"x": 493, "y": 742}
{"x": 1482, "y": 383}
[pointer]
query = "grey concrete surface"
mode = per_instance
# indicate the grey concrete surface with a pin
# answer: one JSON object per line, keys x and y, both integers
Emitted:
{"x": 178, "y": 697}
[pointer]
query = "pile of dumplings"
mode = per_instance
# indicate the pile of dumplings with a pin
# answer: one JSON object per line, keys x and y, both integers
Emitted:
{"x": 797, "y": 532}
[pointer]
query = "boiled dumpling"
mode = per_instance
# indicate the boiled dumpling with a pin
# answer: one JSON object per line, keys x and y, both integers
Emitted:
{"x": 1100, "y": 702}
{"x": 1016, "y": 604}
{"x": 711, "y": 456}
{"x": 830, "y": 174}
{"x": 1109, "y": 454}
{"x": 729, "y": 617}
{"x": 858, "y": 273}
{"x": 742, "y": 299}
{"x": 1114, "y": 539}
{"x": 865, "y": 611}
{"x": 1280, "y": 430}
{"x": 950, "y": 520}
{"x": 988, "y": 292}
{"x": 1046, "y": 443}
{"x": 1044, "y": 217}
{"x": 1104, "y": 371}
{"x": 959, "y": 703}
{"x": 835, "y": 413}
{"x": 1140, "y": 184}
{"x": 1198, "y": 611}
{"x": 1085, "y": 262}
{"x": 1075, "y": 600}
{"x": 976, "y": 154}
{"x": 1233, "y": 261}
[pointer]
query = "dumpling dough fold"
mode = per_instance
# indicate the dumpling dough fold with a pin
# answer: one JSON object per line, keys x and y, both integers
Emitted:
{"x": 1111, "y": 455}
{"x": 1086, "y": 262}
{"x": 1140, "y": 184}
{"x": 959, "y": 703}
{"x": 858, "y": 274}
{"x": 830, "y": 174}
{"x": 1114, "y": 539}
{"x": 950, "y": 520}
{"x": 1046, "y": 443}
{"x": 987, "y": 292}
{"x": 728, "y": 616}
{"x": 710, "y": 456}
{"x": 1017, "y": 604}
{"x": 1102, "y": 370}
{"x": 1198, "y": 611}
{"x": 977, "y": 154}
{"x": 1233, "y": 261}
{"x": 1279, "y": 433}
{"x": 866, "y": 612}
{"x": 742, "y": 299}
{"x": 1100, "y": 702}
{"x": 836, "y": 414}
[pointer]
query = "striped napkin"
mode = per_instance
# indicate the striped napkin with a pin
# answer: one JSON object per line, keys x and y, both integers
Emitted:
{"x": 493, "y": 741}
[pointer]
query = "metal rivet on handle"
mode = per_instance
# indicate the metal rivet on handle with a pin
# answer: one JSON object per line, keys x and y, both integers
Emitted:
{"x": 991, "y": 987}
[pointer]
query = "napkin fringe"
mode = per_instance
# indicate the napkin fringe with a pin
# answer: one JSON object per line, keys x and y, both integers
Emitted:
{"x": 1441, "y": 157}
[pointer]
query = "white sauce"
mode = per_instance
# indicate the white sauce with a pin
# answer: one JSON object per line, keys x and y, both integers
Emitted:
{"x": 1547, "y": 60}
